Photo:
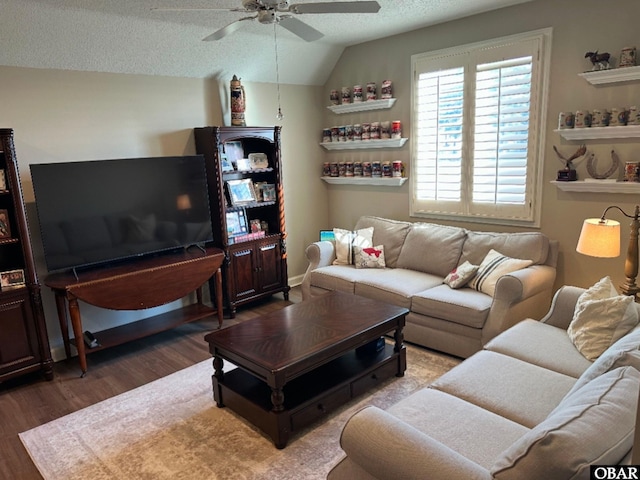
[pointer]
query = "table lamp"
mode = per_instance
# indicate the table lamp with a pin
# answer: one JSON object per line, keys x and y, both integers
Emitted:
{"x": 600, "y": 237}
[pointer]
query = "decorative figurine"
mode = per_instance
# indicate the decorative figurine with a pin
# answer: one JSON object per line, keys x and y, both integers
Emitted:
{"x": 600, "y": 61}
{"x": 568, "y": 174}
{"x": 237, "y": 103}
{"x": 591, "y": 166}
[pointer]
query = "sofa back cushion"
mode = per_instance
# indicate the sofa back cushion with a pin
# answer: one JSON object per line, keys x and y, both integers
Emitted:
{"x": 594, "y": 426}
{"x": 388, "y": 233}
{"x": 532, "y": 246}
{"x": 432, "y": 248}
{"x": 625, "y": 352}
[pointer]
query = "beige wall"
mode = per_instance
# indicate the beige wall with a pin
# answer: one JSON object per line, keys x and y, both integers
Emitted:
{"x": 74, "y": 116}
{"x": 578, "y": 26}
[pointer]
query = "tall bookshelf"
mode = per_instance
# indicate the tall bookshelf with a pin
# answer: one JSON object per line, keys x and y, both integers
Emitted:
{"x": 247, "y": 209}
{"x": 24, "y": 344}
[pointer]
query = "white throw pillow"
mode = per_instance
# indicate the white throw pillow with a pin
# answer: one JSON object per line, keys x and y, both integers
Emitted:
{"x": 461, "y": 275}
{"x": 369, "y": 257}
{"x": 346, "y": 240}
{"x": 494, "y": 266}
{"x": 600, "y": 318}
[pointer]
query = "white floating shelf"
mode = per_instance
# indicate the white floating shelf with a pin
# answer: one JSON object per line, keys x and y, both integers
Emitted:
{"x": 379, "y": 181}
{"x": 362, "y": 106}
{"x": 612, "y": 75}
{"x": 590, "y": 133}
{"x": 594, "y": 186}
{"x": 361, "y": 144}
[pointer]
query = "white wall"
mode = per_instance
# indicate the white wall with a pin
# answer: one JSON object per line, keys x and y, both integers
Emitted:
{"x": 74, "y": 116}
{"x": 578, "y": 26}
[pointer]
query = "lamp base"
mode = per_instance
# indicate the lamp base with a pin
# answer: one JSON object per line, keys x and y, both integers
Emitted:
{"x": 630, "y": 289}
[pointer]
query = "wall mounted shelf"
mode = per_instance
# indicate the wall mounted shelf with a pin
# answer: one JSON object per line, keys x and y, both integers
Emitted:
{"x": 593, "y": 186}
{"x": 365, "y": 144}
{"x": 612, "y": 75}
{"x": 384, "y": 181}
{"x": 363, "y": 106}
{"x": 591, "y": 133}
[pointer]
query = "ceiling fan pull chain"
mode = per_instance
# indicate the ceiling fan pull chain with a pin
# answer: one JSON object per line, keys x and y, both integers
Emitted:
{"x": 279, "y": 116}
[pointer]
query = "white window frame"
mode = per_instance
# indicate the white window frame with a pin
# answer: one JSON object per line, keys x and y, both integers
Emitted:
{"x": 469, "y": 56}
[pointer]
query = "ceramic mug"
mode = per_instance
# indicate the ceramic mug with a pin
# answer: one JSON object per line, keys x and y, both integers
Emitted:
{"x": 599, "y": 118}
{"x": 582, "y": 119}
{"x": 565, "y": 120}
{"x": 618, "y": 117}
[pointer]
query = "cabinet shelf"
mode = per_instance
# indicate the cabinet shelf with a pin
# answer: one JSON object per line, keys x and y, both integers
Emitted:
{"x": 363, "y": 106}
{"x": 612, "y": 75}
{"x": 378, "y": 181}
{"x": 598, "y": 186}
{"x": 591, "y": 133}
{"x": 365, "y": 144}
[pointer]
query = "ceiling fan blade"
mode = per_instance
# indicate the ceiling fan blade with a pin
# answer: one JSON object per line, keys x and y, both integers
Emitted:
{"x": 195, "y": 9}
{"x": 335, "y": 7}
{"x": 300, "y": 29}
{"x": 224, "y": 31}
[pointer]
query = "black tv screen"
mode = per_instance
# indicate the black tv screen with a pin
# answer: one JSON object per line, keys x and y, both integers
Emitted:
{"x": 100, "y": 211}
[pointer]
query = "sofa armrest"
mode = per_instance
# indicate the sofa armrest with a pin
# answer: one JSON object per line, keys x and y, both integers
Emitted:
{"x": 564, "y": 303}
{"x": 319, "y": 254}
{"x": 525, "y": 293}
{"x": 387, "y": 448}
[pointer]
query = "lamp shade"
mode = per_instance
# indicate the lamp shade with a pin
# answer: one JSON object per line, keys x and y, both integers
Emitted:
{"x": 599, "y": 238}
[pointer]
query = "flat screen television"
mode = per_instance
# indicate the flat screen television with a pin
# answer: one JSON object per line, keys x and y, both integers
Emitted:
{"x": 101, "y": 211}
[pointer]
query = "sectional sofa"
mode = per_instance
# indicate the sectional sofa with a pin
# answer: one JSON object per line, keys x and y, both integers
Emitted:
{"x": 528, "y": 406}
{"x": 418, "y": 257}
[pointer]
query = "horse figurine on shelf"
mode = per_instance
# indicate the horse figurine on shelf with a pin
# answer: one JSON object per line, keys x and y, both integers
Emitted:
{"x": 600, "y": 61}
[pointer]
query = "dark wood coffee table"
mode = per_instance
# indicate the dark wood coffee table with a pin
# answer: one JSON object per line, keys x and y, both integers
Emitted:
{"x": 299, "y": 363}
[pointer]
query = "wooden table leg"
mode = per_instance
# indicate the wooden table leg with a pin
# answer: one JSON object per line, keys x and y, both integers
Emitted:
{"x": 64, "y": 325}
{"x": 76, "y": 323}
{"x": 219, "y": 306}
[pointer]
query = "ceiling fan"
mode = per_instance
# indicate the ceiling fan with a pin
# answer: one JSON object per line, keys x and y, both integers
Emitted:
{"x": 279, "y": 12}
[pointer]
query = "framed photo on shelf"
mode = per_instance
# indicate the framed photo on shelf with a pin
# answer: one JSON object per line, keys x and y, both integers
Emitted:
{"x": 3, "y": 180}
{"x": 5, "y": 230}
{"x": 233, "y": 151}
{"x": 258, "y": 161}
{"x": 236, "y": 222}
{"x": 243, "y": 165}
{"x": 241, "y": 191}
{"x": 268, "y": 192}
{"x": 11, "y": 278}
{"x": 225, "y": 163}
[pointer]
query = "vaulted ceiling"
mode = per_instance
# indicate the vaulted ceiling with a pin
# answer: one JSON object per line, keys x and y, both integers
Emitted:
{"x": 128, "y": 36}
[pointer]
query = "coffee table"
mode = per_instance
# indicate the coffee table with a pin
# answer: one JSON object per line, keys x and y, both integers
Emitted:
{"x": 297, "y": 364}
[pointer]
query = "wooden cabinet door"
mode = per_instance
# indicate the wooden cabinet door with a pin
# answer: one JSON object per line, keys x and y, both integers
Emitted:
{"x": 18, "y": 336}
{"x": 270, "y": 271}
{"x": 243, "y": 271}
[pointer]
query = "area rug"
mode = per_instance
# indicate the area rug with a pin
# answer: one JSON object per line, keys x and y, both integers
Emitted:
{"x": 172, "y": 429}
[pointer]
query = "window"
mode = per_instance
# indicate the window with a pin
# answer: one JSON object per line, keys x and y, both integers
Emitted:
{"x": 478, "y": 132}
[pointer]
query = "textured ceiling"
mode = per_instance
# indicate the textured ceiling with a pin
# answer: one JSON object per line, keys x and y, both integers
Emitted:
{"x": 126, "y": 36}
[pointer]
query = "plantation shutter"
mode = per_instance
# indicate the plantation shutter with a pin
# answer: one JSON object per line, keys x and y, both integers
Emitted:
{"x": 476, "y": 130}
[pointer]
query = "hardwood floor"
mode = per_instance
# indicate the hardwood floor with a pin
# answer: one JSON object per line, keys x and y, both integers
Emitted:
{"x": 29, "y": 401}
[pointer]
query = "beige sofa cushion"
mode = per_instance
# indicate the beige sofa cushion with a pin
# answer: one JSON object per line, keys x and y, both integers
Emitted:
{"x": 432, "y": 248}
{"x": 463, "y": 306}
{"x": 506, "y": 386}
{"x": 433, "y": 412}
{"x": 389, "y": 233}
{"x": 533, "y": 246}
{"x": 342, "y": 277}
{"x": 396, "y": 285}
{"x": 540, "y": 344}
{"x": 595, "y": 425}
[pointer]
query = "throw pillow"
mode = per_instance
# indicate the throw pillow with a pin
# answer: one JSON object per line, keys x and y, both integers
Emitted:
{"x": 494, "y": 266}
{"x": 600, "y": 318}
{"x": 460, "y": 276}
{"x": 369, "y": 257}
{"x": 346, "y": 240}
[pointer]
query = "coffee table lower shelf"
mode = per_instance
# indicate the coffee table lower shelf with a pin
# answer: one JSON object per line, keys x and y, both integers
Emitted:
{"x": 309, "y": 397}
